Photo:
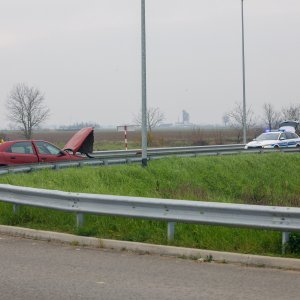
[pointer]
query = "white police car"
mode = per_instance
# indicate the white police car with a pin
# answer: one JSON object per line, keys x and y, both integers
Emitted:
{"x": 283, "y": 137}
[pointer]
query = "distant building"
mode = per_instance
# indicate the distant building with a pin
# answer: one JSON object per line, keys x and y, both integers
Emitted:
{"x": 165, "y": 125}
{"x": 185, "y": 117}
{"x": 185, "y": 120}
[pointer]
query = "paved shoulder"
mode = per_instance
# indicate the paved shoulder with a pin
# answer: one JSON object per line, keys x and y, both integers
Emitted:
{"x": 32, "y": 269}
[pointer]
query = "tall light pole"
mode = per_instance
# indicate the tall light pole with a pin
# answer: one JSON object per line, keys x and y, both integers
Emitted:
{"x": 144, "y": 94}
{"x": 244, "y": 84}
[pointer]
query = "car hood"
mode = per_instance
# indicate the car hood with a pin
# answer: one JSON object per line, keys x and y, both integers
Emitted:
{"x": 82, "y": 141}
{"x": 261, "y": 143}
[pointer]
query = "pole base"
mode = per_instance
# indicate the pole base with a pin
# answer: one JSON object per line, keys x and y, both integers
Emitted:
{"x": 144, "y": 162}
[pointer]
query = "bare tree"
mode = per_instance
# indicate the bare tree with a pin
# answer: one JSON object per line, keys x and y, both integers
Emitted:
{"x": 225, "y": 119}
{"x": 271, "y": 118}
{"x": 291, "y": 112}
{"x": 236, "y": 119}
{"x": 26, "y": 108}
{"x": 154, "y": 118}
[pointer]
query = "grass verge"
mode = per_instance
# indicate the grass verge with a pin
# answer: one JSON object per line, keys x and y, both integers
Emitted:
{"x": 249, "y": 179}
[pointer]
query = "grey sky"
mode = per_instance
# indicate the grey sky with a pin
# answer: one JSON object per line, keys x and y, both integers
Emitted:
{"x": 85, "y": 56}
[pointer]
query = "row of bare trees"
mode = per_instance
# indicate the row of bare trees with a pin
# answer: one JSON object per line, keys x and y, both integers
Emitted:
{"x": 270, "y": 117}
{"x": 27, "y": 110}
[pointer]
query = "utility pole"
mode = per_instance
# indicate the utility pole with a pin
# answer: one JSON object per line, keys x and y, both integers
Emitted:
{"x": 244, "y": 83}
{"x": 144, "y": 90}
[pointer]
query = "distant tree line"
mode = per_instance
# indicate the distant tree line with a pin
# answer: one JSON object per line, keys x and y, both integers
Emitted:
{"x": 270, "y": 118}
{"x": 27, "y": 111}
{"x": 77, "y": 126}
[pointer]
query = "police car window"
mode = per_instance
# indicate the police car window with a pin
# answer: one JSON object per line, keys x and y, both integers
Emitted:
{"x": 283, "y": 136}
{"x": 289, "y": 135}
{"x": 46, "y": 148}
{"x": 268, "y": 136}
{"x": 21, "y": 148}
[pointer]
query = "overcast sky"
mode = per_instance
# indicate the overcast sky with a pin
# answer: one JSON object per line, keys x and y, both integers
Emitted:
{"x": 85, "y": 56}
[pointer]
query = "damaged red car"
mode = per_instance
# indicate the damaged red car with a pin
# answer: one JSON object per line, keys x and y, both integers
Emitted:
{"x": 38, "y": 151}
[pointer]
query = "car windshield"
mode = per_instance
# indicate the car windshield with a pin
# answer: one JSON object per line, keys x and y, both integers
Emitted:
{"x": 46, "y": 148}
{"x": 268, "y": 136}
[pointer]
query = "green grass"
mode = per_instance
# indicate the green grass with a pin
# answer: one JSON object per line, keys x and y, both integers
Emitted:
{"x": 271, "y": 179}
{"x": 119, "y": 145}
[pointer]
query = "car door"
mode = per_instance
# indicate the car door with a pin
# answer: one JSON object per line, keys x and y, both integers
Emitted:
{"x": 20, "y": 153}
{"x": 291, "y": 139}
{"x": 283, "y": 140}
{"x": 49, "y": 153}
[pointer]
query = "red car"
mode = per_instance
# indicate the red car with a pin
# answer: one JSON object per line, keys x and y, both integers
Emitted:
{"x": 37, "y": 151}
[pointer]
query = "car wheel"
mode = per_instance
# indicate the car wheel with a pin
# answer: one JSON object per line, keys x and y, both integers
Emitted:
{"x": 276, "y": 147}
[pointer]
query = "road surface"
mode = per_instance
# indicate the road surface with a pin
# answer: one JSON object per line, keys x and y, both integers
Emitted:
{"x": 32, "y": 269}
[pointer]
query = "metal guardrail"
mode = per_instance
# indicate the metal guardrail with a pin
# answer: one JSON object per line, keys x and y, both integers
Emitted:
{"x": 168, "y": 151}
{"x": 283, "y": 219}
{"x": 187, "y": 151}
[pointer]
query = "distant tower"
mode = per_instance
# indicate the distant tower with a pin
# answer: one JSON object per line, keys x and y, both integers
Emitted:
{"x": 185, "y": 117}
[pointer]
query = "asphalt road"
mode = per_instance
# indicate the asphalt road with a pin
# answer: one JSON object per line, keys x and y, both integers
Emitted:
{"x": 31, "y": 269}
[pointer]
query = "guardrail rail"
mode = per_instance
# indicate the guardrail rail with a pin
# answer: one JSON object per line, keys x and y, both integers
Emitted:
{"x": 284, "y": 219}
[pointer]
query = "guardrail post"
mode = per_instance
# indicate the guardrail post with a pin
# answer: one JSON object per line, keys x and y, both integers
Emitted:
{"x": 171, "y": 231}
{"x": 79, "y": 220}
{"x": 16, "y": 208}
{"x": 285, "y": 238}
{"x": 56, "y": 166}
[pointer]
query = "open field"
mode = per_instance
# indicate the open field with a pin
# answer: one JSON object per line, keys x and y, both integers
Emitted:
{"x": 251, "y": 179}
{"x": 110, "y": 139}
